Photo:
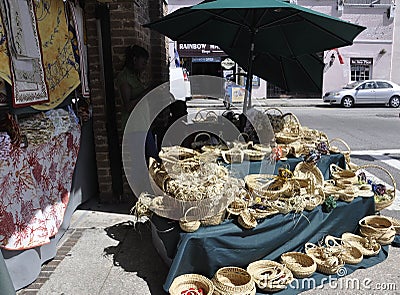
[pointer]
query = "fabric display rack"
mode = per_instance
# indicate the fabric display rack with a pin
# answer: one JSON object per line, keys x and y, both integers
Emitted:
{"x": 47, "y": 160}
{"x": 245, "y": 217}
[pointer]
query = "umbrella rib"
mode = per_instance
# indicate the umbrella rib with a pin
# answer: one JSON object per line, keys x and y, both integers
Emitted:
{"x": 270, "y": 24}
{"x": 239, "y": 30}
{"x": 228, "y": 19}
{"x": 283, "y": 73}
{"x": 329, "y": 32}
{"x": 306, "y": 72}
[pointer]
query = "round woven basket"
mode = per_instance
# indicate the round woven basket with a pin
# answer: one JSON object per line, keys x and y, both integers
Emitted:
{"x": 269, "y": 275}
{"x": 262, "y": 148}
{"x": 266, "y": 185}
{"x": 340, "y": 174}
{"x": 379, "y": 228}
{"x": 382, "y": 202}
{"x": 327, "y": 262}
{"x": 349, "y": 253}
{"x": 368, "y": 247}
{"x": 247, "y": 220}
{"x": 189, "y": 226}
{"x": 191, "y": 281}
{"x": 311, "y": 201}
{"x": 236, "y": 207}
{"x": 233, "y": 156}
{"x": 253, "y": 155}
{"x": 396, "y": 224}
{"x": 233, "y": 281}
{"x": 301, "y": 265}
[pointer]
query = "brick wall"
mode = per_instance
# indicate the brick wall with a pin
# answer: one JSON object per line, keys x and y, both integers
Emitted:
{"x": 126, "y": 18}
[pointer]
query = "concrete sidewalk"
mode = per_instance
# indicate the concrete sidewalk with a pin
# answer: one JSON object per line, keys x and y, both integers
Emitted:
{"x": 104, "y": 253}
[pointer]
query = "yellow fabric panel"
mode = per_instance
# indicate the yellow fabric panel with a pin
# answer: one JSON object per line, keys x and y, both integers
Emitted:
{"x": 61, "y": 70}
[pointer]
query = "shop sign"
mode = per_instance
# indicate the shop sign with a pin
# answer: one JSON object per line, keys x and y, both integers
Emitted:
{"x": 237, "y": 93}
{"x": 198, "y": 50}
{"x": 361, "y": 61}
{"x": 206, "y": 59}
{"x": 227, "y": 63}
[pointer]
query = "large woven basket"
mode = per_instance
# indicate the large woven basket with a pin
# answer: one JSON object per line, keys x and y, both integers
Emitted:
{"x": 309, "y": 170}
{"x": 266, "y": 185}
{"x": 328, "y": 262}
{"x": 191, "y": 281}
{"x": 396, "y": 224}
{"x": 232, "y": 280}
{"x": 368, "y": 247}
{"x": 301, "y": 265}
{"x": 349, "y": 253}
{"x": 384, "y": 201}
{"x": 379, "y": 228}
{"x": 269, "y": 275}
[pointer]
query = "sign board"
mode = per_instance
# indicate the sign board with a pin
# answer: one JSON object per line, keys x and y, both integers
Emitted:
{"x": 227, "y": 63}
{"x": 206, "y": 59}
{"x": 198, "y": 50}
{"x": 361, "y": 61}
{"x": 237, "y": 94}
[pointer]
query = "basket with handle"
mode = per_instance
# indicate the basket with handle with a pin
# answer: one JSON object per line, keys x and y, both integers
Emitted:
{"x": 232, "y": 280}
{"x": 385, "y": 199}
{"x": 328, "y": 261}
{"x": 205, "y": 116}
{"x": 269, "y": 275}
{"x": 300, "y": 264}
{"x": 379, "y": 228}
{"x": 367, "y": 246}
{"x": 189, "y": 226}
{"x": 290, "y": 131}
{"x": 233, "y": 155}
{"x": 339, "y": 173}
{"x": 237, "y": 207}
{"x": 266, "y": 185}
{"x": 196, "y": 144}
{"x": 192, "y": 283}
{"x": 349, "y": 253}
{"x": 275, "y": 117}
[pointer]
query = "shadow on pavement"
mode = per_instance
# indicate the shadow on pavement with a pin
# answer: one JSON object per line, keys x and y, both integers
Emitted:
{"x": 122, "y": 207}
{"x": 135, "y": 253}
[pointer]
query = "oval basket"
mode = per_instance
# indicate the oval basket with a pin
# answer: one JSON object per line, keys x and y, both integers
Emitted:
{"x": 349, "y": 253}
{"x": 266, "y": 185}
{"x": 189, "y": 226}
{"x": 382, "y": 202}
{"x": 185, "y": 282}
{"x": 269, "y": 275}
{"x": 247, "y": 220}
{"x": 379, "y": 228}
{"x": 338, "y": 173}
{"x": 368, "y": 247}
{"x": 232, "y": 280}
{"x": 301, "y": 265}
{"x": 327, "y": 263}
{"x": 236, "y": 207}
{"x": 253, "y": 155}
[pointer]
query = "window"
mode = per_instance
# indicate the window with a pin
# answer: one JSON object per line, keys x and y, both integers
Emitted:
{"x": 368, "y": 85}
{"x": 381, "y": 84}
{"x": 360, "y": 69}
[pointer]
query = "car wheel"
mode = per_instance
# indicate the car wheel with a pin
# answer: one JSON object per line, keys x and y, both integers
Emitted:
{"x": 347, "y": 102}
{"x": 394, "y": 102}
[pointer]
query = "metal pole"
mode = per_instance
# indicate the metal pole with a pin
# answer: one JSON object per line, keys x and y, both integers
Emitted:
{"x": 249, "y": 79}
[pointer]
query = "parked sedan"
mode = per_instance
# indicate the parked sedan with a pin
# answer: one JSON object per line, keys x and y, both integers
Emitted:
{"x": 365, "y": 92}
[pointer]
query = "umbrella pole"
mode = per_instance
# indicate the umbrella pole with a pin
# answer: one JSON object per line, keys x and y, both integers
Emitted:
{"x": 249, "y": 79}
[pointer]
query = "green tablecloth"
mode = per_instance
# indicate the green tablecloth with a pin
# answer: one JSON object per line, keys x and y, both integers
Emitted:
{"x": 227, "y": 244}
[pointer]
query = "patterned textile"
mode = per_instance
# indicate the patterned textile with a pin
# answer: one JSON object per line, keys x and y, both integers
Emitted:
{"x": 78, "y": 22}
{"x": 29, "y": 85}
{"x": 61, "y": 70}
{"x": 3, "y": 92}
{"x": 34, "y": 188}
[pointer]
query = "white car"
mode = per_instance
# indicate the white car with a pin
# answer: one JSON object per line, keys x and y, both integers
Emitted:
{"x": 365, "y": 92}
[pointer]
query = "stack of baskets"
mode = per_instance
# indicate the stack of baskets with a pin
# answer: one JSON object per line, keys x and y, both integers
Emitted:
{"x": 378, "y": 228}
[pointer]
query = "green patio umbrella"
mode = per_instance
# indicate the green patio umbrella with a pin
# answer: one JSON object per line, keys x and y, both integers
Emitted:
{"x": 257, "y": 26}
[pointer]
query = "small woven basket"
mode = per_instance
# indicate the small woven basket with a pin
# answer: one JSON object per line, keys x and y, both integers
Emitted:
{"x": 247, "y": 220}
{"x": 368, "y": 247}
{"x": 233, "y": 281}
{"x": 266, "y": 185}
{"x": 301, "y": 265}
{"x": 189, "y": 226}
{"x": 379, "y": 228}
{"x": 307, "y": 170}
{"x": 349, "y": 253}
{"x": 327, "y": 262}
{"x": 233, "y": 156}
{"x": 269, "y": 275}
{"x": 253, "y": 155}
{"x": 191, "y": 281}
{"x": 213, "y": 220}
{"x": 340, "y": 173}
{"x": 236, "y": 207}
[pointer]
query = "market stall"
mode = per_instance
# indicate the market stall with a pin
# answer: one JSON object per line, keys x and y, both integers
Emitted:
{"x": 221, "y": 205}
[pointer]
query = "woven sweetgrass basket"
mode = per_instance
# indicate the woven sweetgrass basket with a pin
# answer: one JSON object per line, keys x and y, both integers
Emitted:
{"x": 247, "y": 220}
{"x": 349, "y": 253}
{"x": 327, "y": 262}
{"x": 191, "y": 281}
{"x": 301, "y": 265}
{"x": 269, "y": 275}
{"x": 379, "y": 228}
{"x": 232, "y": 280}
{"x": 338, "y": 173}
{"x": 368, "y": 247}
